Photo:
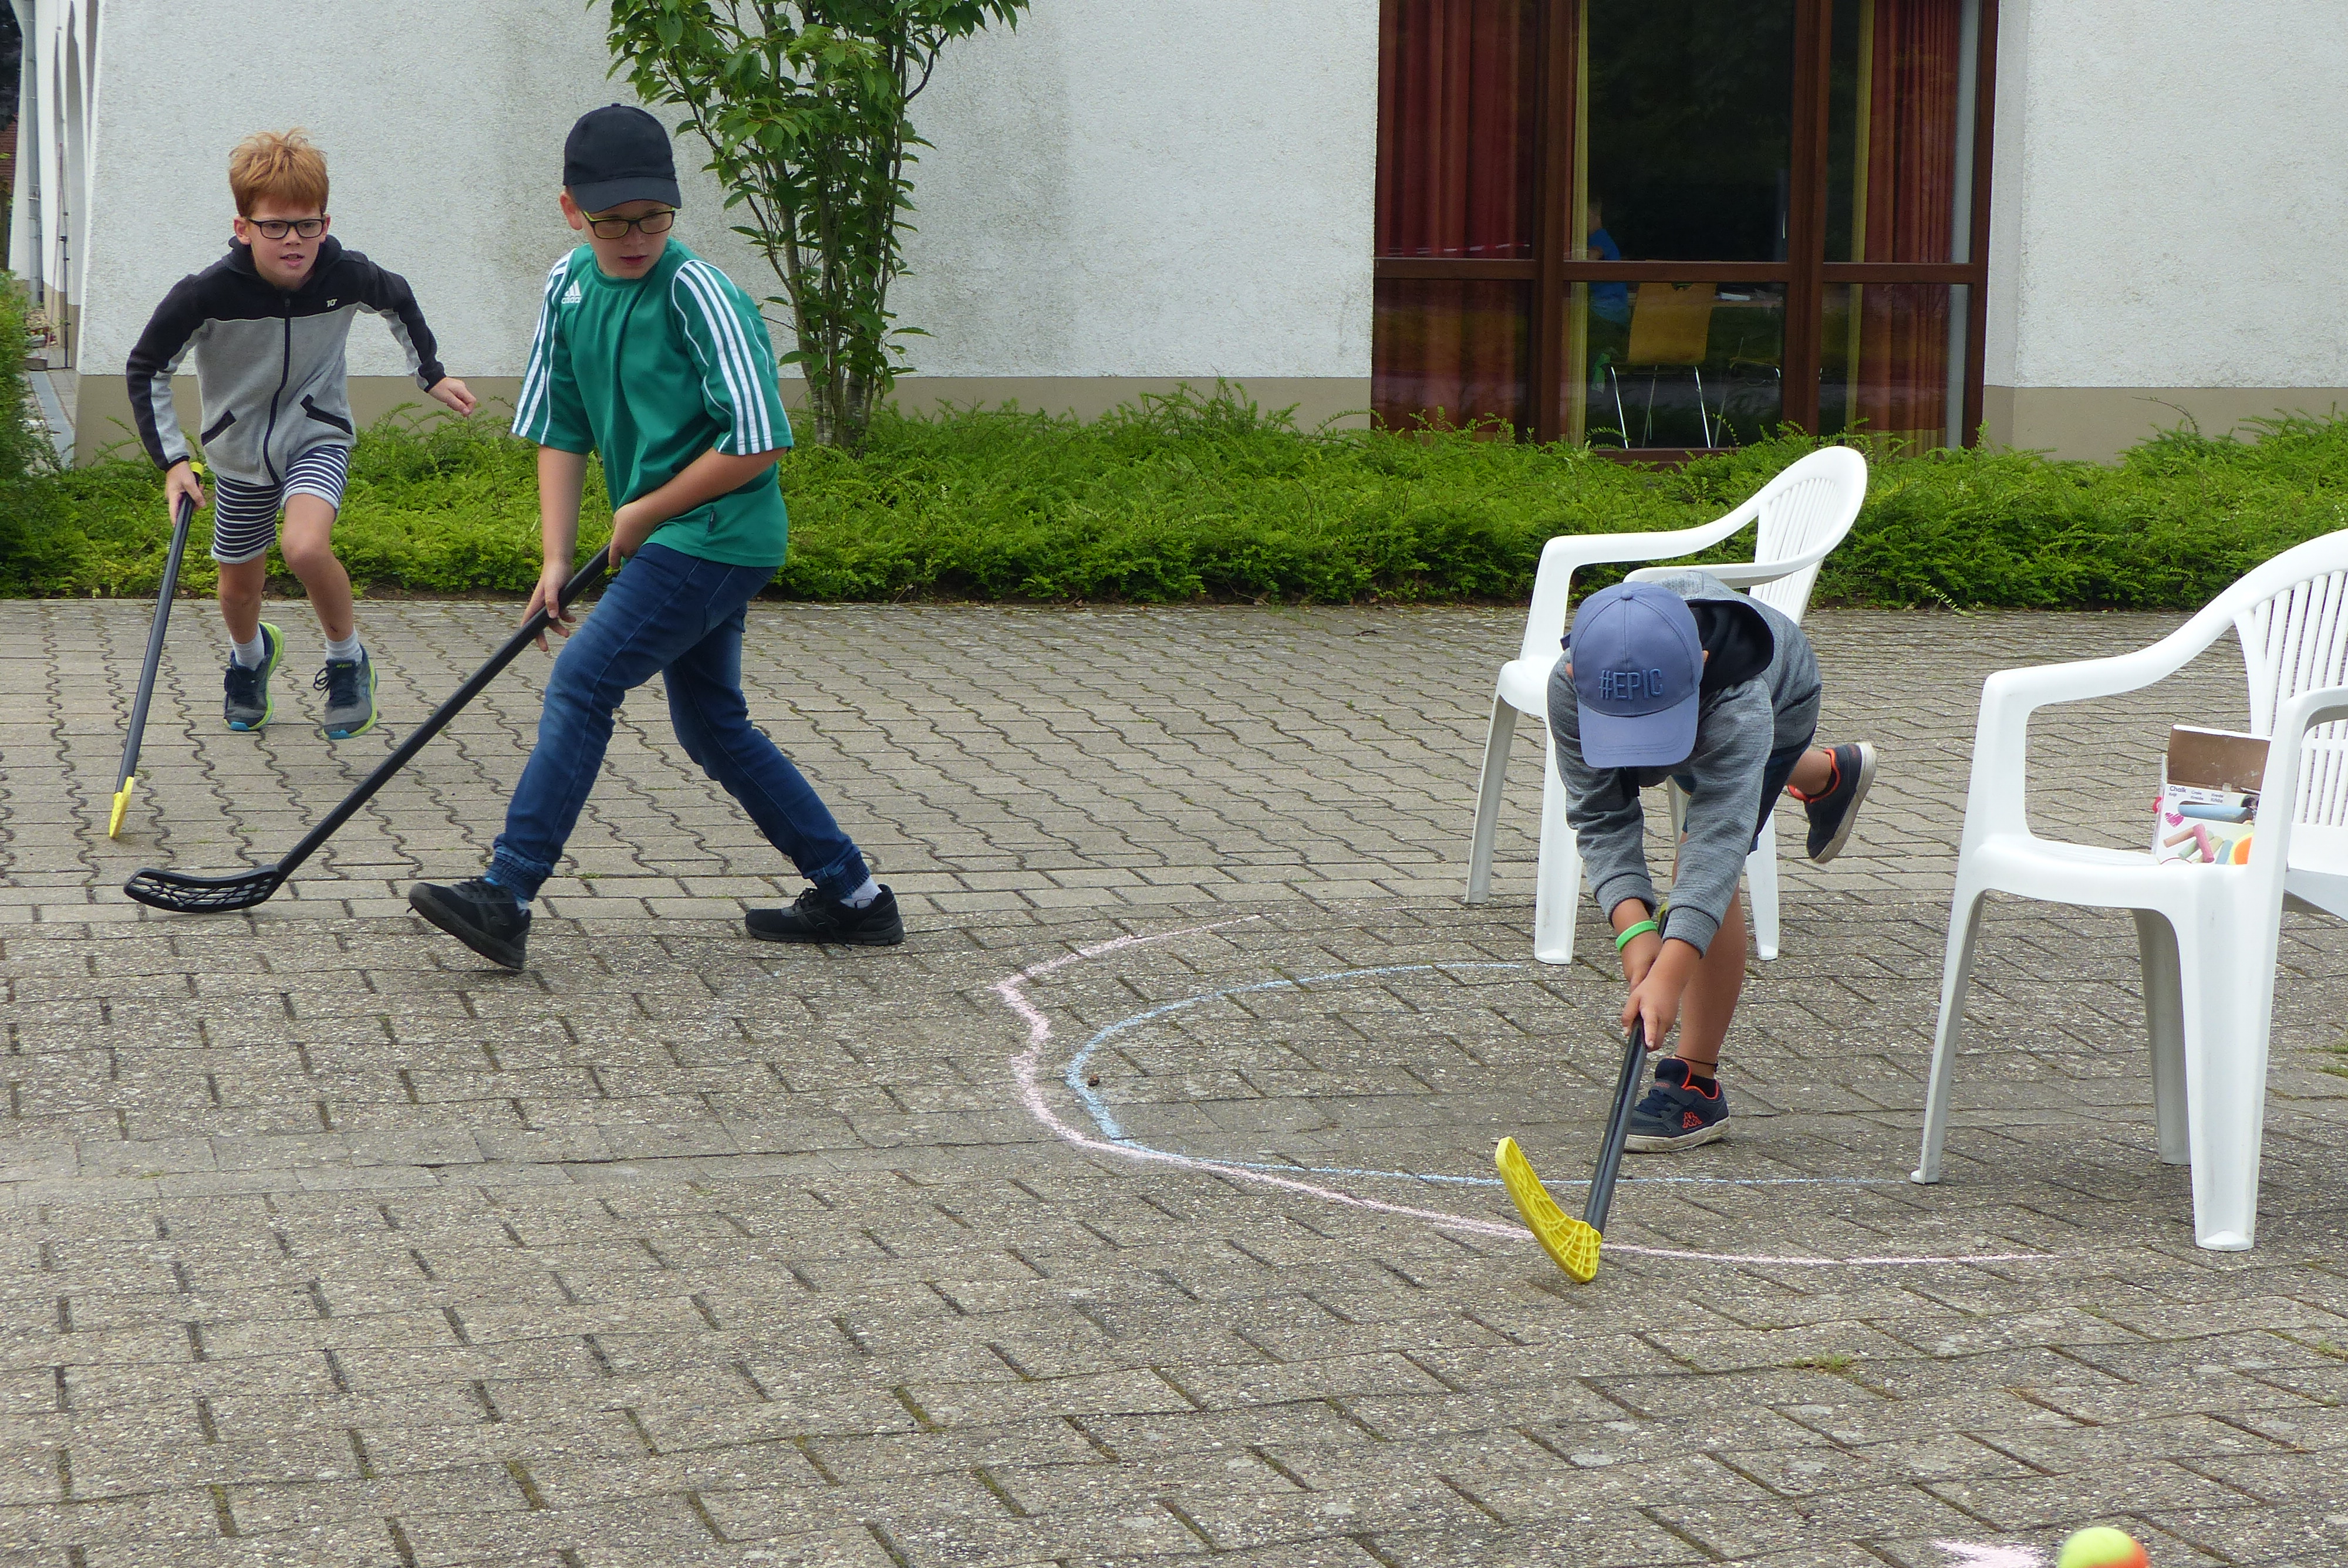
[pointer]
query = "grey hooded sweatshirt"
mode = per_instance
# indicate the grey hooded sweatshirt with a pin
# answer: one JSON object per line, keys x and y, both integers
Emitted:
{"x": 1738, "y": 725}
{"x": 268, "y": 361}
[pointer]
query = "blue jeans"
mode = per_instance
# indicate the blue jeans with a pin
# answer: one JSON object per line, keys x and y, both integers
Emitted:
{"x": 680, "y": 616}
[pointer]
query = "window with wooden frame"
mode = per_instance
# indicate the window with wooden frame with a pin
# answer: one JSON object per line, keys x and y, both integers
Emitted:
{"x": 1665, "y": 226}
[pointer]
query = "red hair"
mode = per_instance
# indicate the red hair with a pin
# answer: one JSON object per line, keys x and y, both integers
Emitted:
{"x": 284, "y": 166}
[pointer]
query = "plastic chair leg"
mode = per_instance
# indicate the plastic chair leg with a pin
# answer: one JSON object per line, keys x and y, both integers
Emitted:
{"x": 2164, "y": 1017}
{"x": 1760, "y": 876}
{"x": 1956, "y": 972}
{"x": 2228, "y": 1000}
{"x": 1556, "y": 888}
{"x": 1497, "y": 742}
{"x": 1761, "y": 890}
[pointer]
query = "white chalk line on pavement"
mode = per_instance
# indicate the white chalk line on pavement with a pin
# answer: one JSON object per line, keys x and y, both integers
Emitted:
{"x": 1027, "y": 1074}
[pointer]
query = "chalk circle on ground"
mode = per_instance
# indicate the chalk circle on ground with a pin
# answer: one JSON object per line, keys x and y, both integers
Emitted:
{"x": 1106, "y": 1135}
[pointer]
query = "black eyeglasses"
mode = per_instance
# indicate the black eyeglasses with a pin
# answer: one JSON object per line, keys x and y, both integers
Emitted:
{"x": 275, "y": 228}
{"x": 617, "y": 228}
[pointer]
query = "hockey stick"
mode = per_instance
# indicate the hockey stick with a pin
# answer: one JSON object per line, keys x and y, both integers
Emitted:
{"x": 184, "y": 514}
{"x": 1572, "y": 1244}
{"x": 177, "y": 891}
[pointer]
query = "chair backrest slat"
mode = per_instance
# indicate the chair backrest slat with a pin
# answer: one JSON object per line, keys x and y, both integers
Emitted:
{"x": 2297, "y": 640}
{"x": 1811, "y": 502}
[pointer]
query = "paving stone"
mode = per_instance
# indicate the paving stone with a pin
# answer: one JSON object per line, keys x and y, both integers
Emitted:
{"x": 328, "y": 1243}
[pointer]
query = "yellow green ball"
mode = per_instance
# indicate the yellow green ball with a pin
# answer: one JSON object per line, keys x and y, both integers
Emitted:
{"x": 2102, "y": 1547}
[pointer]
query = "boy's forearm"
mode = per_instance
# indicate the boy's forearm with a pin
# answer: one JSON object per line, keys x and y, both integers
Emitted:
{"x": 562, "y": 480}
{"x": 706, "y": 477}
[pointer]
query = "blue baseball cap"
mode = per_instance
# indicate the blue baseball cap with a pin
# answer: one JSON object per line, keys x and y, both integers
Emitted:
{"x": 1638, "y": 676}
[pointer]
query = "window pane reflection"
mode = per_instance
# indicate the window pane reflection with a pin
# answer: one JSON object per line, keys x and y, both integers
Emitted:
{"x": 1451, "y": 351}
{"x": 1674, "y": 364}
{"x": 1686, "y": 122}
{"x": 1894, "y": 363}
{"x": 1456, "y": 99}
{"x": 1900, "y": 130}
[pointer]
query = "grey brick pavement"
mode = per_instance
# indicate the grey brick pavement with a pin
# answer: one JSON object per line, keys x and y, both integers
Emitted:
{"x": 328, "y": 1246}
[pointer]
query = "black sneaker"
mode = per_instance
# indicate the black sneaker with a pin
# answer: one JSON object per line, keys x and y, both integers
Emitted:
{"x": 478, "y": 913}
{"x": 1674, "y": 1116}
{"x": 349, "y": 686}
{"x": 1835, "y": 809}
{"x": 817, "y": 917}
{"x": 247, "y": 705}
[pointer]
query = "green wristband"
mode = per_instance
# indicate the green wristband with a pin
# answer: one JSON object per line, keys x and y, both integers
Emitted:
{"x": 1623, "y": 939}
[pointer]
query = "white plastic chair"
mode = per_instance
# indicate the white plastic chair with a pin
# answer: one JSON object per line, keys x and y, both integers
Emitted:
{"x": 2207, "y": 934}
{"x": 1803, "y": 514}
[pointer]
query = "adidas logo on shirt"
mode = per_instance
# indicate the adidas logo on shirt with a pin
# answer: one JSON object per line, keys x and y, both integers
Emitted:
{"x": 570, "y": 296}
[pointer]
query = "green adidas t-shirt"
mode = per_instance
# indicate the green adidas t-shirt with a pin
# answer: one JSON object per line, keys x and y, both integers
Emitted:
{"x": 652, "y": 372}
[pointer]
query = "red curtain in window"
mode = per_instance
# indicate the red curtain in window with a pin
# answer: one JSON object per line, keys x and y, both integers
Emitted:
{"x": 1902, "y": 376}
{"x": 1454, "y": 181}
{"x": 1455, "y": 128}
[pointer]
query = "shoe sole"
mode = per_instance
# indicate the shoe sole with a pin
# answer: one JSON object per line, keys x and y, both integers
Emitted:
{"x": 374, "y": 713}
{"x": 1833, "y": 847}
{"x": 1649, "y": 1143}
{"x": 448, "y": 924}
{"x": 269, "y": 668}
{"x": 878, "y": 939}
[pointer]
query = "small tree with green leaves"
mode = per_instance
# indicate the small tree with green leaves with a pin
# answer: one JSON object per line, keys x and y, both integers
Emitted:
{"x": 804, "y": 107}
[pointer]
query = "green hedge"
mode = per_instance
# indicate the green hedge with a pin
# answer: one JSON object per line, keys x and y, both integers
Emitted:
{"x": 1203, "y": 498}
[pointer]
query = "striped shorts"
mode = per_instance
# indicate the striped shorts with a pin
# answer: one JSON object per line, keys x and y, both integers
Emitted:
{"x": 244, "y": 517}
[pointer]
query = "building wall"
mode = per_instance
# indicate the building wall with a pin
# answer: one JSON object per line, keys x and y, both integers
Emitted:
{"x": 1119, "y": 198}
{"x": 2168, "y": 227}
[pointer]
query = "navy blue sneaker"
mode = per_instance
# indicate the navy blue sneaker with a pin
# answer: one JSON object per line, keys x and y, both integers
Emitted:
{"x": 1675, "y": 1116}
{"x": 478, "y": 913}
{"x": 1834, "y": 810}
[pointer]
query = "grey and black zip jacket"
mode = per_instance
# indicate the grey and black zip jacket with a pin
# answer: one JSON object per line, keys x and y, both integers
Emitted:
{"x": 269, "y": 362}
{"x": 1737, "y": 726}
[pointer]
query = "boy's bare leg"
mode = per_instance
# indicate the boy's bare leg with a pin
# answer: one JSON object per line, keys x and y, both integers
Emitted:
{"x": 308, "y": 547}
{"x": 240, "y": 597}
{"x": 1710, "y": 999}
{"x": 1813, "y": 772}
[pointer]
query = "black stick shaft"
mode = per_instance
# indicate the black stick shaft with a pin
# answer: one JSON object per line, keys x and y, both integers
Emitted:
{"x": 1618, "y": 1130}
{"x": 580, "y": 581}
{"x": 186, "y": 513}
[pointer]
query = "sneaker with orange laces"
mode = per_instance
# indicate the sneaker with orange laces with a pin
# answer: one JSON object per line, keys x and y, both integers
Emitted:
{"x": 1677, "y": 1113}
{"x": 1834, "y": 810}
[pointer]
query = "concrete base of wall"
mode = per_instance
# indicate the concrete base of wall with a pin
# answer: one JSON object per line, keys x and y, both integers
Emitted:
{"x": 101, "y": 404}
{"x": 2098, "y": 423}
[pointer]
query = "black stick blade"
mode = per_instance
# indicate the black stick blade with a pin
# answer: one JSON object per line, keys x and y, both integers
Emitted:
{"x": 185, "y": 895}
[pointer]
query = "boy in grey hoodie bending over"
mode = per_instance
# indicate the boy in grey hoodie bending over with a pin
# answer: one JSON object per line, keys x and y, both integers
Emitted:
{"x": 1686, "y": 678}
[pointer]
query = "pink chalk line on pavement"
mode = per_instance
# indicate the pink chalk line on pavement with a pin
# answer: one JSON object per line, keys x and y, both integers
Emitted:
{"x": 1026, "y": 1072}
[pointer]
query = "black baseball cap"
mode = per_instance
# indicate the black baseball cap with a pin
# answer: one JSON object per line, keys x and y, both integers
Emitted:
{"x": 619, "y": 153}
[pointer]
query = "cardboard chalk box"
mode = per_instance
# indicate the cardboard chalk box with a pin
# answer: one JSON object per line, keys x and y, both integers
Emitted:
{"x": 2209, "y": 801}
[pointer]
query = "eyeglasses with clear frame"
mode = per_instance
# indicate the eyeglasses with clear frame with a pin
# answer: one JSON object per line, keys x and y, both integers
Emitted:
{"x": 276, "y": 228}
{"x": 617, "y": 228}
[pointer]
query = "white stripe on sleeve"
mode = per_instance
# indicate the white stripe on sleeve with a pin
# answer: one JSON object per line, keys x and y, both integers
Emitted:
{"x": 530, "y": 402}
{"x": 753, "y": 421}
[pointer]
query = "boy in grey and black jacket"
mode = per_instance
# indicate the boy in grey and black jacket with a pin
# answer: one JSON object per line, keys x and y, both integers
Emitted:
{"x": 1685, "y": 678}
{"x": 267, "y": 323}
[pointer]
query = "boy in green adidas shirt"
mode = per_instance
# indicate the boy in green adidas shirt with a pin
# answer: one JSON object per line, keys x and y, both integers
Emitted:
{"x": 654, "y": 358}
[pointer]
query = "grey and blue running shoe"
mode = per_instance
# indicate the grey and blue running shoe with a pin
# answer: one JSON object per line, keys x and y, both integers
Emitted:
{"x": 247, "y": 705}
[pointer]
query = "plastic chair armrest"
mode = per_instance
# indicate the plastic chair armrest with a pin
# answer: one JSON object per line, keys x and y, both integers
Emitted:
{"x": 1994, "y": 800}
{"x": 1567, "y": 553}
{"x": 1744, "y": 574}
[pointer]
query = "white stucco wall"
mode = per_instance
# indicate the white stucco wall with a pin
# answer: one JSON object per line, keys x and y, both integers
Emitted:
{"x": 2168, "y": 199}
{"x": 1184, "y": 189}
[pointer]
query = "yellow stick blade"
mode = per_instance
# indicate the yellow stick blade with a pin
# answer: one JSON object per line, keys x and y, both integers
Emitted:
{"x": 1570, "y": 1245}
{"x": 122, "y": 804}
